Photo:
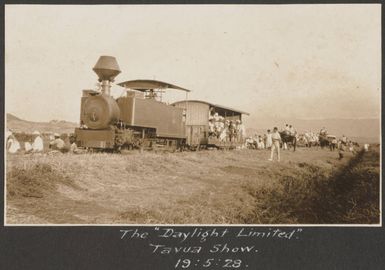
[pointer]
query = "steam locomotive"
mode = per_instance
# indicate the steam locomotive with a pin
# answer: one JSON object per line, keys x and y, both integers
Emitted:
{"x": 139, "y": 119}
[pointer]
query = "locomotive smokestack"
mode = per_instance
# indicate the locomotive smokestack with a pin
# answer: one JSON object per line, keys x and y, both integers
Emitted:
{"x": 107, "y": 69}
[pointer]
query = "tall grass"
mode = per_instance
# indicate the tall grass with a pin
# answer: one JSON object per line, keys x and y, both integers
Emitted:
{"x": 350, "y": 195}
{"x": 208, "y": 187}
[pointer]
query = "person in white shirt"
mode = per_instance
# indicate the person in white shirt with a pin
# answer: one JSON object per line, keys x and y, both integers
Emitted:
{"x": 13, "y": 144}
{"x": 250, "y": 143}
{"x": 37, "y": 145}
{"x": 261, "y": 142}
{"x": 276, "y": 138}
{"x": 344, "y": 140}
{"x": 27, "y": 147}
{"x": 269, "y": 140}
{"x": 287, "y": 129}
{"x": 242, "y": 130}
{"x": 292, "y": 130}
{"x": 57, "y": 143}
{"x": 323, "y": 131}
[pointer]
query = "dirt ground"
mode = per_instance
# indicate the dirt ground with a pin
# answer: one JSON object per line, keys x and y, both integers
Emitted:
{"x": 204, "y": 187}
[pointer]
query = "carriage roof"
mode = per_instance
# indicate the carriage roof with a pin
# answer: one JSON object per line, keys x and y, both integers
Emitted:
{"x": 215, "y": 106}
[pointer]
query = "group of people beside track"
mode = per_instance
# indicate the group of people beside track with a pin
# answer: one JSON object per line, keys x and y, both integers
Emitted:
{"x": 35, "y": 143}
{"x": 265, "y": 141}
{"x": 273, "y": 141}
{"x": 226, "y": 130}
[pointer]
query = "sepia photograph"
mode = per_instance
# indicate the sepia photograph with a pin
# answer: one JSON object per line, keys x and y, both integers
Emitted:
{"x": 192, "y": 115}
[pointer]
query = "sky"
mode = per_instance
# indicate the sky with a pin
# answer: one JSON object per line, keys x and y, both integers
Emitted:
{"x": 273, "y": 61}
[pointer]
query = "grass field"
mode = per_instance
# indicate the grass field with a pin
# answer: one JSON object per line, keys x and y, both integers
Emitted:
{"x": 206, "y": 187}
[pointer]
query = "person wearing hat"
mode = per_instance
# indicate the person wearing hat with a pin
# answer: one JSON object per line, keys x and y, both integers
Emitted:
{"x": 231, "y": 131}
{"x": 287, "y": 129}
{"x": 211, "y": 127}
{"x": 323, "y": 131}
{"x": 219, "y": 126}
{"x": 344, "y": 140}
{"x": 292, "y": 130}
{"x": 242, "y": 130}
{"x": 238, "y": 130}
{"x": 276, "y": 138}
{"x": 13, "y": 144}
{"x": 37, "y": 145}
{"x": 57, "y": 143}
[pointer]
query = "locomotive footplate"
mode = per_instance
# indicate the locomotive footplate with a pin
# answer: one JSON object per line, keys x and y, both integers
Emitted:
{"x": 88, "y": 138}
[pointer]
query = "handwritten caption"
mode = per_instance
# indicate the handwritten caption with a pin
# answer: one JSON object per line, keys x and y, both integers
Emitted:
{"x": 207, "y": 248}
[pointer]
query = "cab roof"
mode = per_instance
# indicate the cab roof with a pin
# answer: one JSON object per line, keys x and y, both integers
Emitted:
{"x": 144, "y": 85}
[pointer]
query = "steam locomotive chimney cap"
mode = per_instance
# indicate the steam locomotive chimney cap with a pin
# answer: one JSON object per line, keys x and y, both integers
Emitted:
{"x": 107, "y": 68}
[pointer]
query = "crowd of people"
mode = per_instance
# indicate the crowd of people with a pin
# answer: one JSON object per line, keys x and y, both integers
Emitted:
{"x": 13, "y": 145}
{"x": 226, "y": 130}
{"x": 265, "y": 141}
{"x": 269, "y": 140}
{"x": 273, "y": 141}
{"x": 36, "y": 144}
{"x": 219, "y": 127}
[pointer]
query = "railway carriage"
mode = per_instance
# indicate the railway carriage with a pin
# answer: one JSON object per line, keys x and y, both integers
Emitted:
{"x": 198, "y": 115}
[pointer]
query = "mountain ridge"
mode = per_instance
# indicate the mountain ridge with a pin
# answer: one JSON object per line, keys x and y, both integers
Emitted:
{"x": 17, "y": 124}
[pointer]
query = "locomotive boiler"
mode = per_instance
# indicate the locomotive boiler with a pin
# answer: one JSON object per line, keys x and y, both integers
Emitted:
{"x": 136, "y": 120}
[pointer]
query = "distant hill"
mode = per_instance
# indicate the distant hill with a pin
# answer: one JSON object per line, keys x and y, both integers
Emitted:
{"x": 361, "y": 130}
{"x": 19, "y": 125}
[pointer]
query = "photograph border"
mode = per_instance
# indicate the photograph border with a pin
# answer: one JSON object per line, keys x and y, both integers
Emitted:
{"x": 17, "y": 237}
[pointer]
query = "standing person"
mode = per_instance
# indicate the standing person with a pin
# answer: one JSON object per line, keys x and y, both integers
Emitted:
{"x": 351, "y": 147}
{"x": 242, "y": 130}
{"x": 333, "y": 144}
{"x": 211, "y": 127}
{"x": 261, "y": 142}
{"x": 238, "y": 131}
{"x": 341, "y": 149}
{"x": 269, "y": 140}
{"x": 323, "y": 131}
{"x": 276, "y": 139}
{"x": 344, "y": 140}
{"x": 232, "y": 131}
{"x": 37, "y": 145}
{"x": 227, "y": 130}
{"x": 292, "y": 130}
{"x": 287, "y": 129}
